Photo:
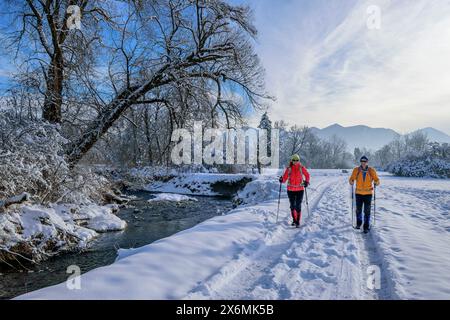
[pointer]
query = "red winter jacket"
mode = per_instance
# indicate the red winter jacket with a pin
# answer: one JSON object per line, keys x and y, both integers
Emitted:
{"x": 295, "y": 174}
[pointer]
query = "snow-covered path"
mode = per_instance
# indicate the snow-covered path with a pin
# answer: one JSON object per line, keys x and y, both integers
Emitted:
{"x": 309, "y": 263}
{"x": 246, "y": 255}
{"x": 413, "y": 235}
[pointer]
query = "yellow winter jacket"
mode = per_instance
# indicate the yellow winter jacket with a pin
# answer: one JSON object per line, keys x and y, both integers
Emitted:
{"x": 364, "y": 186}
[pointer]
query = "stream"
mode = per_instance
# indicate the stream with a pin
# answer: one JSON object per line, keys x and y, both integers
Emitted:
{"x": 147, "y": 223}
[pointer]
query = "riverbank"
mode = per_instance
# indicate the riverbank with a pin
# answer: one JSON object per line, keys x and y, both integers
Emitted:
{"x": 31, "y": 233}
{"x": 148, "y": 219}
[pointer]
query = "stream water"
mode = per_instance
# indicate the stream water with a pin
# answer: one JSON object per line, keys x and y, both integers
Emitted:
{"x": 147, "y": 222}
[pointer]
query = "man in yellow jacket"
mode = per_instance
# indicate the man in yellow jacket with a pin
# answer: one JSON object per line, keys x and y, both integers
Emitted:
{"x": 365, "y": 178}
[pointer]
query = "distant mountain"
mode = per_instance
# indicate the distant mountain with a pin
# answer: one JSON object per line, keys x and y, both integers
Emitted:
{"x": 371, "y": 138}
{"x": 436, "y": 135}
{"x": 358, "y": 136}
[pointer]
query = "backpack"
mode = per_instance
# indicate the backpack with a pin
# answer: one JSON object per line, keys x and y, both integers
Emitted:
{"x": 301, "y": 177}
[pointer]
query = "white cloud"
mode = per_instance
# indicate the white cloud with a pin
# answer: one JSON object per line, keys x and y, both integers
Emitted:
{"x": 325, "y": 66}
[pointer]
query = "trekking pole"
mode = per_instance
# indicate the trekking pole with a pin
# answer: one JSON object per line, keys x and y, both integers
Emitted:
{"x": 279, "y": 199}
{"x": 307, "y": 203}
{"x": 375, "y": 205}
{"x": 353, "y": 212}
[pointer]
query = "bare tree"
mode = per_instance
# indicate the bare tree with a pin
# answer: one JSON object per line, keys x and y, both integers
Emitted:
{"x": 56, "y": 51}
{"x": 193, "y": 59}
{"x": 416, "y": 142}
{"x": 202, "y": 46}
{"x": 298, "y": 138}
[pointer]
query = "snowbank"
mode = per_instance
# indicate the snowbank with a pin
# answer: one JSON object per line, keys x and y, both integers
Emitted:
{"x": 35, "y": 232}
{"x": 204, "y": 184}
{"x": 171, "y": 197}
{"x": 170, "y": 268}
{"x": 258, "y": 191}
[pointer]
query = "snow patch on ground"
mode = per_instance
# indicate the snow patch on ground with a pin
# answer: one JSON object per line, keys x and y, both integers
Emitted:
{"x": 101, "y": 218}
{"x": 172, "y": 197}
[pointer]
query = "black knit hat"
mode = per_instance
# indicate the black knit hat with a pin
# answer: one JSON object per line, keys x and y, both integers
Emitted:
{"x": 364, "y": 158}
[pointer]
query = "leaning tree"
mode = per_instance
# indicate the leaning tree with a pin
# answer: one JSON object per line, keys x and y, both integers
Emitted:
{"x": 188, "y": 56}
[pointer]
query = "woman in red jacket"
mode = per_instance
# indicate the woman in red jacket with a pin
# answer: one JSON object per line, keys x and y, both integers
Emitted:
{"x": 297, "y": 178}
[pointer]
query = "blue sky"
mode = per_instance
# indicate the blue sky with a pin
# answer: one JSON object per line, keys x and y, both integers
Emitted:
{"x": 326, "y": 66}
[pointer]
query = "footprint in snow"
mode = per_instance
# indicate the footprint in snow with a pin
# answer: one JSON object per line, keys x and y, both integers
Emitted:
{"x": 291, "y": 263}
{"x": 320, "y": 263}
{"x": 332, "y": 252}
{"x": 266, "y": 282}
{"x": 309, "y": 275}
{"x": 352, "y": 258}
{"x": 314, "y": 254}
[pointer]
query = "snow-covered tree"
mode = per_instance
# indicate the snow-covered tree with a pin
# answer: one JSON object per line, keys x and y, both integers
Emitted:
{"x": 314, "y": 152}
{"x": 433, "y": 162}
{"x": 32, "y": 161}
{"x": 187, "y": 57}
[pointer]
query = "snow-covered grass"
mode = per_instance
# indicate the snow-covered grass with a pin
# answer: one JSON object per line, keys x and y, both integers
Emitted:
{"x": 246, "y": 255}
{"x": 171, "y": 197}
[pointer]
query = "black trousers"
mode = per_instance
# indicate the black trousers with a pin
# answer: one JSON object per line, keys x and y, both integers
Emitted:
{"x": 295, "y": 199}
{"x": 366, "y": 202}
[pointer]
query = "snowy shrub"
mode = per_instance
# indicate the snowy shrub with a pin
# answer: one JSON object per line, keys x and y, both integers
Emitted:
{"x": 434, "y": 163}
{"x": 32, "y": 161}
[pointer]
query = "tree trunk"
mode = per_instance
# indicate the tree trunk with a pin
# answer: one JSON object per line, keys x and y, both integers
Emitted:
{"x": 148, "y": 138}
{"x": 104, "y": 121}
{"x": 110, "y": 114}
{"x": 53, "y": 96}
